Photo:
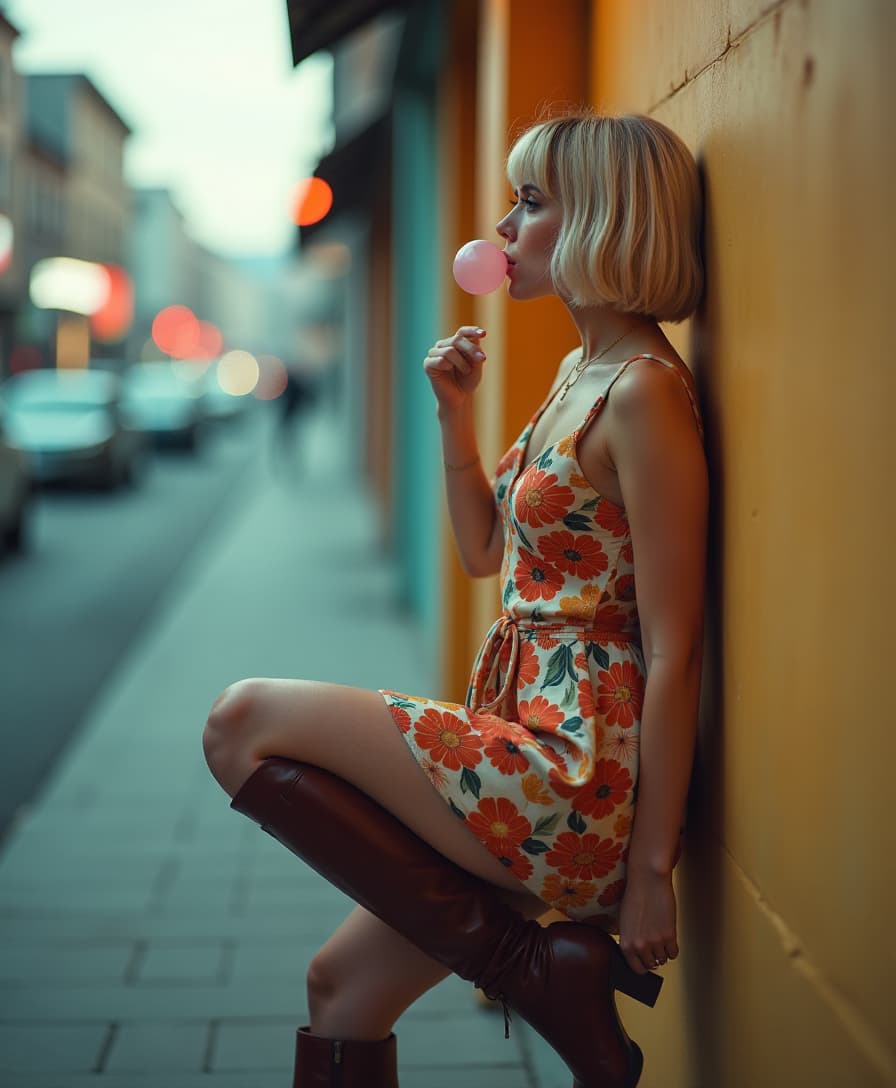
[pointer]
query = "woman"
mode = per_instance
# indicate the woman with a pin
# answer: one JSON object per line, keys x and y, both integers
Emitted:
{"x": 584, "y": 695}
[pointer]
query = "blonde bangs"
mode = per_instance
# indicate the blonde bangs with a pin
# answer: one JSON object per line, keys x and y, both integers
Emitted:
{"x": 528, "y": 160}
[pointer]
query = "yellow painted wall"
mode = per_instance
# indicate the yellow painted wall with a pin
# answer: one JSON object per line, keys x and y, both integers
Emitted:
{"x": 787, "y": 883}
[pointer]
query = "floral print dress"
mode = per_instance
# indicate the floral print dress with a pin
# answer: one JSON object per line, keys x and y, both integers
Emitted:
{"x": 542, "y": 761}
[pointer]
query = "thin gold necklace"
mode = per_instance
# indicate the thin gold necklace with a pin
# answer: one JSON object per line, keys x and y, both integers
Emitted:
{"x": 582, "y": 365}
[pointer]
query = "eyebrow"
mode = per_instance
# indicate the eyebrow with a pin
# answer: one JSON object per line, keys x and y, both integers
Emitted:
{"x": 527, "y": 188}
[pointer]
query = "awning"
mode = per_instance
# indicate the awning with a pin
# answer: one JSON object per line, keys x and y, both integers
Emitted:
{"x": 319, "y": 24}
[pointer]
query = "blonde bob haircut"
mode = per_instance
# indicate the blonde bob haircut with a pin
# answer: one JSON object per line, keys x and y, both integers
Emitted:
{"x": 630, "y": 202}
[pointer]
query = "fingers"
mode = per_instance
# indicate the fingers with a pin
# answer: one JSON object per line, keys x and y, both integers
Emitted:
{"x": 644, "y": 956}
{"x": 460, "y": 352}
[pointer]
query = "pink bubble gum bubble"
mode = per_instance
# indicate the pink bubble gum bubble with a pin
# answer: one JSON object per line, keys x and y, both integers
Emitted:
{"x": 479, "y": 267}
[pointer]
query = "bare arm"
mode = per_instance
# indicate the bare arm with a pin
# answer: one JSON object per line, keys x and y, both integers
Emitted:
{"x": 454, "y": 368}
{"x": 655, "y": 446}
{"x": 477, "y": 527}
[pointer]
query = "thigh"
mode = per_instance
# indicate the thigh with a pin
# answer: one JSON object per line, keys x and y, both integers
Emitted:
{"x": 350, "y": 732}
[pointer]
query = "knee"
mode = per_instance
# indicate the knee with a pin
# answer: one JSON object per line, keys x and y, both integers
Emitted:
{"x": 229, "y": 719}
{"x": 322, "y": 983}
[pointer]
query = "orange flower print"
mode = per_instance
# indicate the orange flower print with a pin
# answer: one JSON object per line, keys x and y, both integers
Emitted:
{"x": 538, "y": 714}
{"x": 576, "y": 479}
{"x": 548, "y": 752}
{"x": 583, "y": 857}
{"x": 547, "y": 642}
{"x": 620, "y": 692}
{"x": 401, "y": 717}
{"x": 627, "y": 553}
{"x": 581, "y": 608}
{"x": 586, "y": 698}
{"x": 625, "y": 587}
{"x": 611, "y": 517}
{"x": 540, "y": 500}
{"x": 499, "y": 824}
{"x": 622, "y": 746}
{"x": 579, "y": 555}
{"x": 506, "y": 461}
{"x": 622, "y": 827}
{"x": 527, "y": 670}
{"x": 486, "y": 724}
{"x": 448, "y": 739}
{"x": 610, "y": 617}
{"x": 434, "y": 773}
{"x": 613, "y": 893}
{"x": 561, "y": 892}
{"x": 609, "y": 787}
{"x": 517, "y": 863}
{"x": 535, "y": 579}
{"x": 567, "y": 446}
{"x": 534, "y": 791}
{"x": 504, "y": 754}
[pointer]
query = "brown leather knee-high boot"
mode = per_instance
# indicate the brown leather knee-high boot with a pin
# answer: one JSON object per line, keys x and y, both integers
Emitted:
{"x": 560, "y": 978}
{"x": 344, "y": 1063}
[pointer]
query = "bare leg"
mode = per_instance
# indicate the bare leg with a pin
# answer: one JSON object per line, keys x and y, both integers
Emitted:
{"x": 350, "y": 733}
{"x": 367, "y": 975}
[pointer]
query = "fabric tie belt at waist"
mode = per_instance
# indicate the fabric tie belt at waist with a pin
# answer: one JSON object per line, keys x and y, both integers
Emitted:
{"x": 503, "y": 639}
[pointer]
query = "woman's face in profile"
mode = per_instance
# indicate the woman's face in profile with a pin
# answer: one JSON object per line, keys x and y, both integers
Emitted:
{"x": 530, "y": 232}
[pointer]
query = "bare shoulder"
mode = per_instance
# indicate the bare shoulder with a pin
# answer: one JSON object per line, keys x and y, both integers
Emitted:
{"x": 651, "y": 390}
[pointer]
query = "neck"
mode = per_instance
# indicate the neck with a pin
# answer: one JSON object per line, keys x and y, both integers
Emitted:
{"x": 598, "y": 327}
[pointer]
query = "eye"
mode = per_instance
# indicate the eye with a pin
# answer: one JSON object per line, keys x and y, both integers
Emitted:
{"x": 528, "y": 201}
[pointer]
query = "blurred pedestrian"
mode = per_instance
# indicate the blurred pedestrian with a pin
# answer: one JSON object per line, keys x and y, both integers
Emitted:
{"x": 455, "y": 826}
{"x": 294, "y": 402}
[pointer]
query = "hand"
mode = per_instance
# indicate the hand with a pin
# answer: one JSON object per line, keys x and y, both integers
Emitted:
{"x": 454, "y": 367}
{"x": 647, "y": 921}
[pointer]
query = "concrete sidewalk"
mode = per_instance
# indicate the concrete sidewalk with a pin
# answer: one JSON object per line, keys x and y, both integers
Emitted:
{"x": 148, "y": 935}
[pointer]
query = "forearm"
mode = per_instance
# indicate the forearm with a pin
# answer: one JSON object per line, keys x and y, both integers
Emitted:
{"x": 668, "y": 736}
{"x": 471, "y": 503}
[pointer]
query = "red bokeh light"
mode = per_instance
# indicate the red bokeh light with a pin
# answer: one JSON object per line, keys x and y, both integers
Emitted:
{"x": 312, "y": 199}
{"x": 113, "y": 319}
{"x": 210, "y": 341}
{"x": 176, "y": 331}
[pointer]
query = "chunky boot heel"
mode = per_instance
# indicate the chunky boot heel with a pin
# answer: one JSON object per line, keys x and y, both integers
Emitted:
{"x": 560, "y": 978}
{"x": 643, "y": 988}
{"x": 344, "y": 1063}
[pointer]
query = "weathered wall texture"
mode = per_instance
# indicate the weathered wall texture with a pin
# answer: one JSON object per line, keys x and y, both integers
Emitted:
{"x": 787, "y": 884}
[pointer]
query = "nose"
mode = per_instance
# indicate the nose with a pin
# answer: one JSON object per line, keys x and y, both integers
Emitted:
{"x": 505, "y": 227}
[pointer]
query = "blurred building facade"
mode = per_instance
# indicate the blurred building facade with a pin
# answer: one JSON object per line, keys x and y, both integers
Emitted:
{"x": 785, "y": 887}
{"x": 11, "y": 209}
{"x": 77, "y": 199}
{"x": 64, "y": 192}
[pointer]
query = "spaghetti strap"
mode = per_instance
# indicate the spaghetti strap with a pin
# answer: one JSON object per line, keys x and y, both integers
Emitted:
{"x": 601, "y": 400}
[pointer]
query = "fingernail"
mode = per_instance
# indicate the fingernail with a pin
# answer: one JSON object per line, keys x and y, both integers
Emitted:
{"x": 480, "y": 332}
{"x": 478, "y": 354}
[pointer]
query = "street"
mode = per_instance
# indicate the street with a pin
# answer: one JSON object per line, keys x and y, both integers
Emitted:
{"x": 96, "y": 566}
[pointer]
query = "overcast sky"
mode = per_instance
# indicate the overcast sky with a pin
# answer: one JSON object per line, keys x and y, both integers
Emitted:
{"x": 219, "y": 114}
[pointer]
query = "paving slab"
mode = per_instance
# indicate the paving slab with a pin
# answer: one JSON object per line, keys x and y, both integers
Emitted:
{"x": 149, "y": 936}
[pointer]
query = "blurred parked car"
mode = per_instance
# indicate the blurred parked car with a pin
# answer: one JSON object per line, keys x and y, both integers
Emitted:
{"x": 163, "y": 403}
{"x": 15, "y": 491}
{"x": 69, "y": 424}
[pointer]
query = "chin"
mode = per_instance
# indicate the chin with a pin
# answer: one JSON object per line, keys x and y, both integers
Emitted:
{"x": 527, "y": 294}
